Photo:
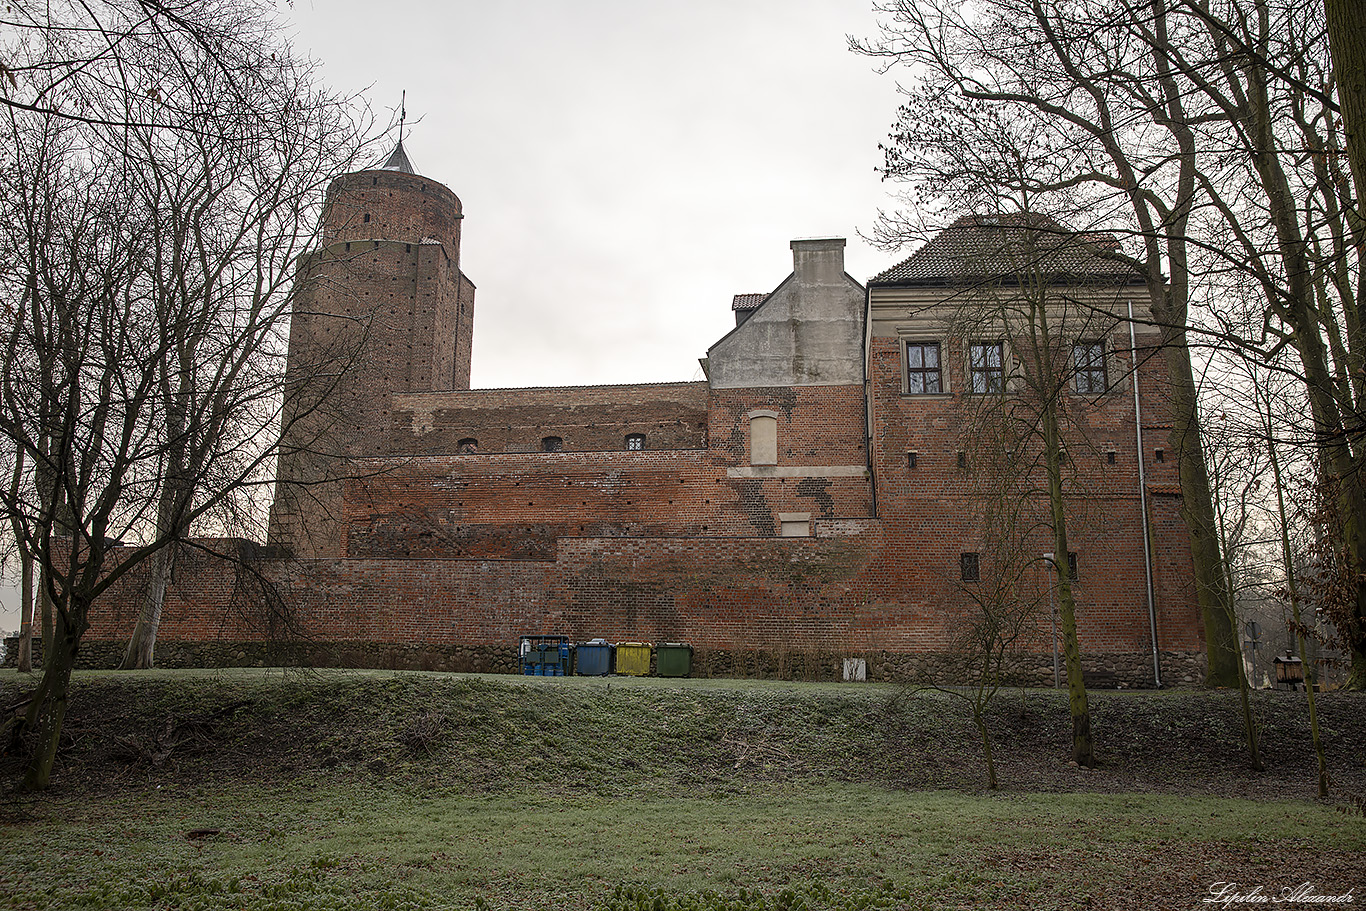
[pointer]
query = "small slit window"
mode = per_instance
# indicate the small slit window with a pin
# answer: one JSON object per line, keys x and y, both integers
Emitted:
{"x": 552, "y": 444}
{"x": 635, "y": 442}
{"x": 970, "y": 566}
{"x": 912, "y": 459}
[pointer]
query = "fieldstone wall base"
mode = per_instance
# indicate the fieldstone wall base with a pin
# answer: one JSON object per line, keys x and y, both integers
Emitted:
{"x": 1135, "y": 671}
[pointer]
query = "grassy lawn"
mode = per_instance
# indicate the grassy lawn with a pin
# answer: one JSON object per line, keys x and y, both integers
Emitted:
{"x": 345, "y": 845}
{"x": 426, "y": 791}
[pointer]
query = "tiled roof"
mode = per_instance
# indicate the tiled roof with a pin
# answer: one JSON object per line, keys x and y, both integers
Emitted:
{"x": 747, "y": 301}
{"x": 981, "y": 247}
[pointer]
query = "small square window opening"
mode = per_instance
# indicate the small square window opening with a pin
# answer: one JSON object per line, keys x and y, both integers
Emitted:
{"x": 970, "y": 567}
{"x": 552, "y": 444}
{"x": 635, "y": 442}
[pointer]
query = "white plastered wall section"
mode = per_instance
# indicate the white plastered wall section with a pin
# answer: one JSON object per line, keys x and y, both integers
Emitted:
{"x": 808, "y": 332}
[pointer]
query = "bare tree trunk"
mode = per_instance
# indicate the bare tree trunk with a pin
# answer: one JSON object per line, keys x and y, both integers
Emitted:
{"x": 1347, "y": 43}
{"x": 1212, "y": 590}
{"x": 1254, "y": 748}
{"x": 1083, "y": 752}
{"x": 980, "y": 720}
{"x": 141, "y": 650}
{"x": 25, "y": 657}
{"x": 45, "y": 619}
{"x": 1293, "y": 589}
{"x": 25, "y": 662}
{"x": 1249, "y": 723}
{"x": 48, "y": 708}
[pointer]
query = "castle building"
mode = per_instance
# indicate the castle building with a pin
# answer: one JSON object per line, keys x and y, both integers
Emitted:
{"x": 838, "y": 486}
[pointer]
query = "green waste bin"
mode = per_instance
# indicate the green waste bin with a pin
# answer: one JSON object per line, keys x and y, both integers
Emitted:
{"x": 674, "y": 659}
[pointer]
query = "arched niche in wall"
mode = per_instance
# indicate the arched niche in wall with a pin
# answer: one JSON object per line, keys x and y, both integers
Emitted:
{"x": 763, "y": 438}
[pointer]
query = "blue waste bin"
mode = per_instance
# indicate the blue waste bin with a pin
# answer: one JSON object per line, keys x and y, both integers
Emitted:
{"x": 593, "y": 658}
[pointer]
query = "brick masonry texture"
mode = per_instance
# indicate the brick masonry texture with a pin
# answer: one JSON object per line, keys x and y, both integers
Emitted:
{"x": 422, "y": 524}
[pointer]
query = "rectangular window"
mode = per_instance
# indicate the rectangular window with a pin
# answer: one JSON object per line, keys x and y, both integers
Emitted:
{"x": 1088, "y": 360}
{"x": 923, "y": 375}
{"x": 986, "y": 363}
{"x": 970, "y": 566}
{"x": 1072, "y": 565}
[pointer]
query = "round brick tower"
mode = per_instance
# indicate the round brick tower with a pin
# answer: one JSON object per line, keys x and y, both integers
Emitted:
{"x": 392, "y": 202}
{"x": 381, "y": 310}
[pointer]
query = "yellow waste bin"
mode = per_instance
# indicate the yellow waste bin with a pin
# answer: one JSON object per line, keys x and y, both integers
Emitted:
{"x": 633, "y": 658}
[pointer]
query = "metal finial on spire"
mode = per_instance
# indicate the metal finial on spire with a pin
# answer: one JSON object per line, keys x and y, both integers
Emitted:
{"x": 398, "y": 159}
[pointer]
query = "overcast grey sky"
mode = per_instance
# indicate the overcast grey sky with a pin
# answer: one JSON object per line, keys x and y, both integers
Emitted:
{"x": 626, "y": 166}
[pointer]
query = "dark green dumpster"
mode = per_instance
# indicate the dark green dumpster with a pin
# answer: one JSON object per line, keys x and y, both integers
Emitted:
{"x": 674, "y": 659}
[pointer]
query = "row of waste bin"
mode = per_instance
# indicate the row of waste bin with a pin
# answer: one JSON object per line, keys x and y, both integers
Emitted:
{"x": 558, "y": 656}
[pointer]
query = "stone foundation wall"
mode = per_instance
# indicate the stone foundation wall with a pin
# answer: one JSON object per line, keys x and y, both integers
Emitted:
{"x": 1182, "y": 669}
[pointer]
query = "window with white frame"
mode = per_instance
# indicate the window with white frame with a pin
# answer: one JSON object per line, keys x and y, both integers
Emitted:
{"x": 986, "y": 367}
{"x": 1088, "y": 364}
{"x": 924, "y": 371}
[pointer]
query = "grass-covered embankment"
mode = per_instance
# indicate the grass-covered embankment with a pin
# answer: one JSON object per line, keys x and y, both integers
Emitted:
{"x": 349, "y": 791}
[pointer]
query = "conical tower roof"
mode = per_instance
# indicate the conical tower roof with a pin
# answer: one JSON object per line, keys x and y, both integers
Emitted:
{"x": 398, "y": 161}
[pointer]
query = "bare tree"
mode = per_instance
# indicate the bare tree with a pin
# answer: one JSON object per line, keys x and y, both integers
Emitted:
{"x": 156, "y": 218}
{"x": 994, "y": 639}
{"x": 1347, "y": 40}
{"x": 1238, "y": 468}
{"x": 24, "y": 660}
{"x": 1032, "y": 304}
{"x": 1208, "y": 132}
